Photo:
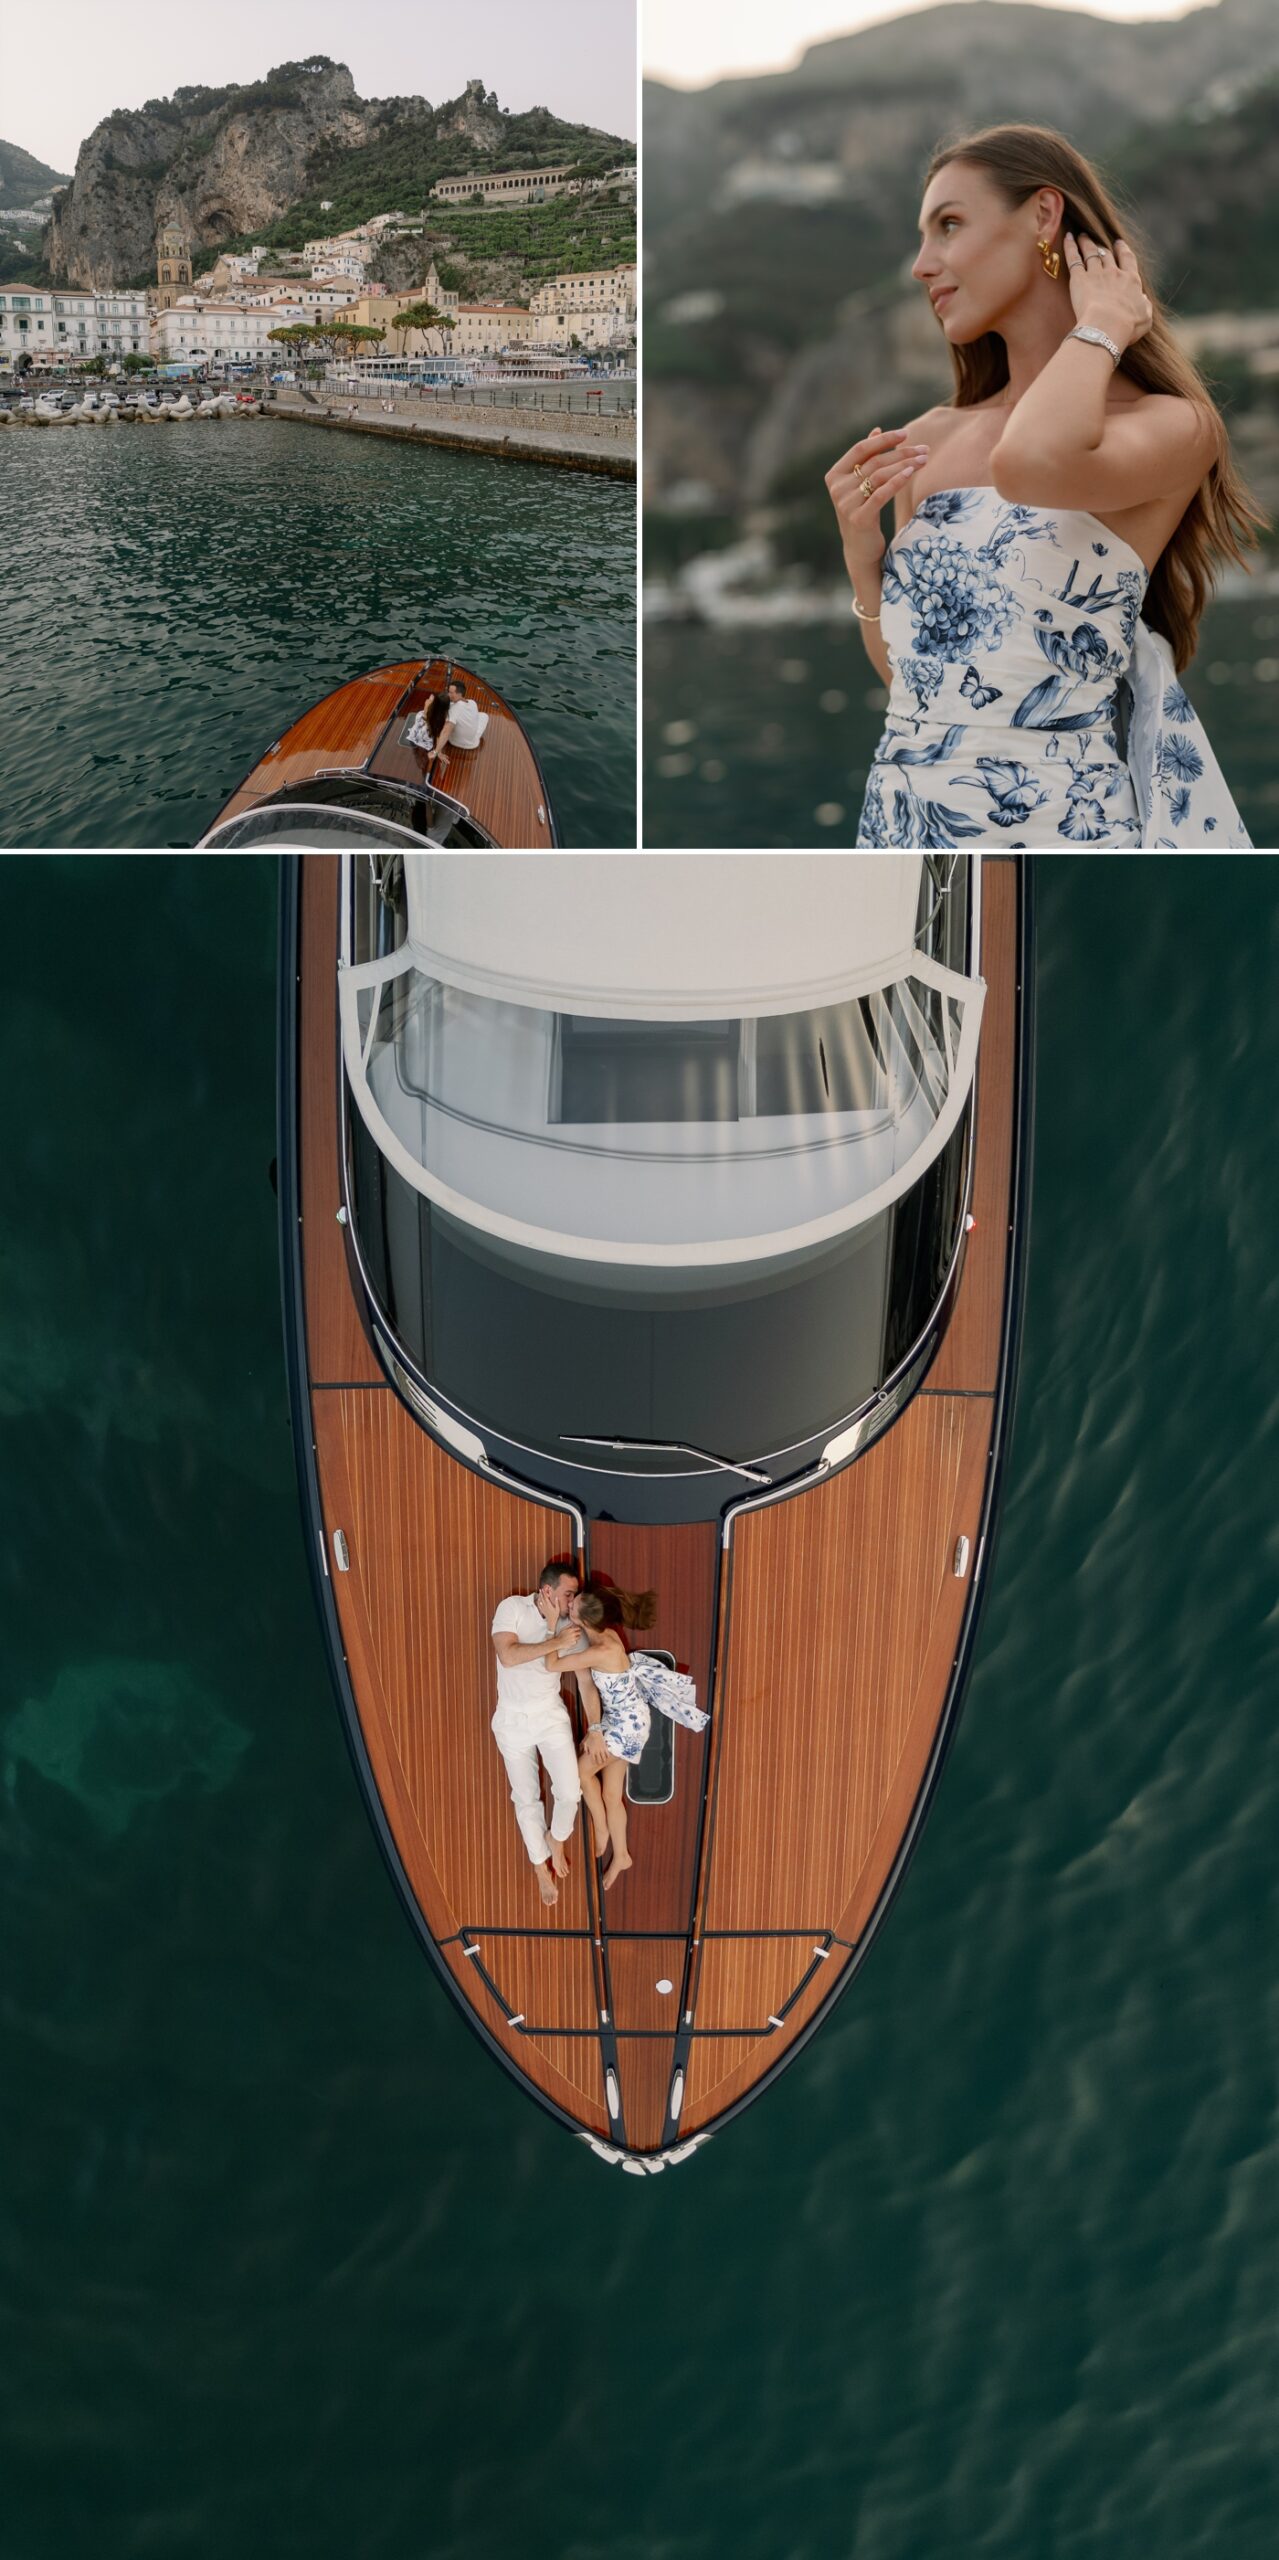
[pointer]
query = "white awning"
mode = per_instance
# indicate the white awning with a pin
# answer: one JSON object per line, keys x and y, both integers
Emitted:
{"x": 664, "y": 937}
{"x": 463, "y": 1072}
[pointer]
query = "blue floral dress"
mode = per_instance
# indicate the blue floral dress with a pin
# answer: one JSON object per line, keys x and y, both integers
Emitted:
{"x": 625, "y": 1699}
{"x": 1030, "y": 705}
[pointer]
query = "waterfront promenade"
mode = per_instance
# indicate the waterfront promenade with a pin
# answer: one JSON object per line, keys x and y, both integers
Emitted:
{"x": 514, "y": 431}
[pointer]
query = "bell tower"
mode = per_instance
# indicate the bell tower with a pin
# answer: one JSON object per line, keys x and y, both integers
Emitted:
{"x": 173, "y": 267}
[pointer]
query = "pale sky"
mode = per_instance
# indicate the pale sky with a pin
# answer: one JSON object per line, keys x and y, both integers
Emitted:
{"x": 64, "y": 64}
{"x": 691, "y": 42}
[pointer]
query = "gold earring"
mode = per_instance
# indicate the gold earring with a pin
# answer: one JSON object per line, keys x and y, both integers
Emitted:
{"x": 1052, "y": 262}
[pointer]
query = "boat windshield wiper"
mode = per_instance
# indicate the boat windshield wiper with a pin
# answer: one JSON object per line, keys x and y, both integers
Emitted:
{"x": 685, "y": 1448}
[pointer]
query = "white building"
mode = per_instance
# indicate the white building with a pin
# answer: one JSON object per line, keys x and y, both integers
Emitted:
{"x": 598, "y": 289}
{"x": 220, "y": 331}
{"x": 484, "y": 328}
{"x": 597, "y": 308}
{"x": 339, "y": 262}
{"x": 508, "y": 186}
{"x": 68, "y": 325}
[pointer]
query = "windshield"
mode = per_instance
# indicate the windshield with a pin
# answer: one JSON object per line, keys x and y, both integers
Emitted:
{"x": 616, "y": 1139}
{"x": 748, "y": 1368}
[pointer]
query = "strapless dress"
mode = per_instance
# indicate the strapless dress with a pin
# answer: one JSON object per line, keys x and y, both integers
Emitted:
{"x": 1031, "y": 707}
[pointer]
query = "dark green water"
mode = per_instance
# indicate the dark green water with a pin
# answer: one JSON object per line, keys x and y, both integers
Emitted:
{"x": 174, "y": 598}
{"x": 289, "y": 2266}
{"x": 784, "y": 723}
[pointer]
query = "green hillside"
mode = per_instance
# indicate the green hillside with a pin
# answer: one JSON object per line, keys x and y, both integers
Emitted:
{"x": 397, "y": 171}
{"x": 530, "y": 242}
{"x": 23, "y": 178}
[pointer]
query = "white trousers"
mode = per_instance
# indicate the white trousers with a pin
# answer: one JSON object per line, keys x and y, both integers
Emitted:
{"x": 521, "y": 1739}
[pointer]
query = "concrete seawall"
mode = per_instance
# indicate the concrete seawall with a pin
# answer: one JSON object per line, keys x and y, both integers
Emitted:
{"x": 604, "y": 444}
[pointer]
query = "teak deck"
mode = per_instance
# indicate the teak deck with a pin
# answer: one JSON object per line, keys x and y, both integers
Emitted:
{"x": 361, "y": 729}
{"x": 826, "y": 1636}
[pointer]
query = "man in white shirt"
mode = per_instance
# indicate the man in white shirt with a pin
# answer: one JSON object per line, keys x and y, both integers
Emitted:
{"x": 531, "y": 1719}
{"x": 466, "y": 722}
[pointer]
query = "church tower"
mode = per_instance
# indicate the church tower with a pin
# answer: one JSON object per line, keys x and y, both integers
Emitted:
{"x": 173, "y": 267}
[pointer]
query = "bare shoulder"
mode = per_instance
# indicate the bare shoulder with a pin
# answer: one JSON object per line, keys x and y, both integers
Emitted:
{"x": 931, "y": 427}
{"x": 930, "y": 424}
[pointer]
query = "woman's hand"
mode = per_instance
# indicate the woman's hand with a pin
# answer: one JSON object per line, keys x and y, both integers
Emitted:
{"x": 1106, "y": 291}
{"x": 861, "y": 484}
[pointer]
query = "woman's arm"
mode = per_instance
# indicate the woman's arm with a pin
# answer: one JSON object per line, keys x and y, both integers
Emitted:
{"x": 860, "y": 486}
{"x": 592, "y": 1657}
{"x": 1064, "y": 445}
{"x": 590, "y": 1697}
{"x": 592, "y": 1714}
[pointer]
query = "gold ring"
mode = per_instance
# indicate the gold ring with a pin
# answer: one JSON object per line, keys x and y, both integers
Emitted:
{"x": 865, "y": 484}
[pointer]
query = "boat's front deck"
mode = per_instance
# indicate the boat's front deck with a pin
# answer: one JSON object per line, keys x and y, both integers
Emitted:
{"x": 362, "y": 730}
{"x": 834, "y": 1621}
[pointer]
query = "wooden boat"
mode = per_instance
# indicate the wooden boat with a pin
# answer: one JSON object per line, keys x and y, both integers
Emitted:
{"x": 348, "y": 773}
{"x": 822, "y": 1576}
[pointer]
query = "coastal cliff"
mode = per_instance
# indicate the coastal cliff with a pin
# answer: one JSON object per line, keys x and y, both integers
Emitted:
{"x": 280, "y": 160}
{"x": 214, "y": 161}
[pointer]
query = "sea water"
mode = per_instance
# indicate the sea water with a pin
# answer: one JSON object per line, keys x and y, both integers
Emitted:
{"x": 289, "y": 2265}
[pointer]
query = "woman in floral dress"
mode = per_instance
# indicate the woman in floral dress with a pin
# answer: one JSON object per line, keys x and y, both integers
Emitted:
{"x": 1057, "y": 529}
{"x": 617, "y": 1689}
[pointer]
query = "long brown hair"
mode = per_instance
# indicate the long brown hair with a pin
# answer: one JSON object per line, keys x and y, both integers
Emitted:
{"x": 1222, "y": 519}
{"x": 609, "y": 1606}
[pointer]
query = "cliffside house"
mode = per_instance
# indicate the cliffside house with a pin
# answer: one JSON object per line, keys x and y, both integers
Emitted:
{"x": 507, "y": 186}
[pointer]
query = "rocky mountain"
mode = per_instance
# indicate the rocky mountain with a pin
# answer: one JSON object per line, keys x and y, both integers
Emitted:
{"x": 780, "y": 219}
{"x": 215, "y": 161}
{"x": 24, "y": 179}
{"x": 258, "y": 161}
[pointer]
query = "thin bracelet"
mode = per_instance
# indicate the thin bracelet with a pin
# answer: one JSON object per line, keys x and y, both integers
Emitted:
{"x": 862, "y": 614}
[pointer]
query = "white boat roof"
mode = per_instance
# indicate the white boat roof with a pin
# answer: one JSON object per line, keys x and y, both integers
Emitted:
{"x": 664, "y": 937}
{"x": 510, "y": 960}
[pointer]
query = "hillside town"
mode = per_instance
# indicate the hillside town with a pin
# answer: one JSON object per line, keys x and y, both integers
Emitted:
{"x": 230, "y": 319}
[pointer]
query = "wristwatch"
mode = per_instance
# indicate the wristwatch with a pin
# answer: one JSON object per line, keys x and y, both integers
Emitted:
{"x": 1097, "y": 338}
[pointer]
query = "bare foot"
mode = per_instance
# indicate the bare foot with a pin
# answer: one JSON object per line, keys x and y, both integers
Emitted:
{"x": 618, "y": 1868}
{"x": 602, "y": 1841}
{"x": 559, "y": 1862}
{"x": 547, "y": 1886}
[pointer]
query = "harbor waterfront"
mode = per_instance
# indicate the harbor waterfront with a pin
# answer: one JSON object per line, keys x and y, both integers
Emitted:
{"x": 175, "y": 599}
{"x": 990, "y": 2274}
{"x": 504, "y": 426}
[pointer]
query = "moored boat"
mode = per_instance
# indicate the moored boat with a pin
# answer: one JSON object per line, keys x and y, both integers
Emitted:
{"x": 350, "y": 771}
{"x": 665, "y": 1216}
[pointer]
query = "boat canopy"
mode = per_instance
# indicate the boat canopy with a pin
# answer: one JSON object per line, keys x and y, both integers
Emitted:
{"x": 678, "y": 1064}
{"x": 664, "y": 937}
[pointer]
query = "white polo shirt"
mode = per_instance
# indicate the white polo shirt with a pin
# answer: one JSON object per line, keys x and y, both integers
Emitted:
{"x": 525, "y": 1688}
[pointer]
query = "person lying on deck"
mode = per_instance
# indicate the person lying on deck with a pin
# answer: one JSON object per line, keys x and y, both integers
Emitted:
{"x": 617, "y": 1689}
{"x": 531, "y": 1720}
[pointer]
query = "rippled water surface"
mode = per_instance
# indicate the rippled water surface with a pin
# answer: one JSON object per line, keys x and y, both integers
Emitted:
{"x": 288, "y": 2265}
{"x": 174, "y": 597}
